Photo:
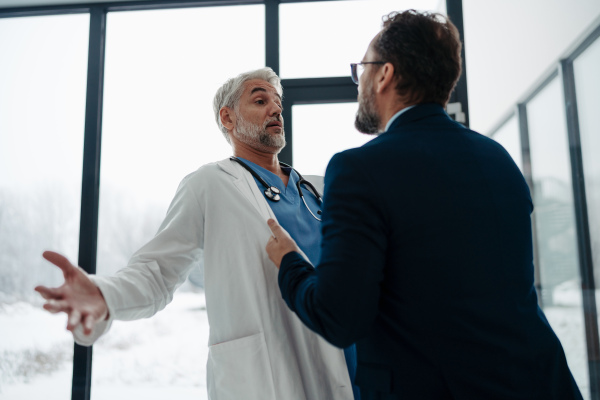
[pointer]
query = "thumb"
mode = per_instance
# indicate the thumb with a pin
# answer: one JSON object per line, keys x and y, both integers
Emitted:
{"x": 275, "y": 228}
{"x": 60, "y": 261}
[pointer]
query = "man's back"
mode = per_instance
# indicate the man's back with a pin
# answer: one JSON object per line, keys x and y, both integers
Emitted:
{"x": 443, "y": 232}
{"x": 426, "y": 254}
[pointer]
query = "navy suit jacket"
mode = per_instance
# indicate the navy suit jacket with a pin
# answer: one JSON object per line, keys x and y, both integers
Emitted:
{"x": 427, "y": 265}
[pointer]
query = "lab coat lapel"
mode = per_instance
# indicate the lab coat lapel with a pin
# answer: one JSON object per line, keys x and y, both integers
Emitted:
{"x": 245, "y": 183}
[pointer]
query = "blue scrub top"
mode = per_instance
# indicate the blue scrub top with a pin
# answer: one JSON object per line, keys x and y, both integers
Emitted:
{"x": 290, "y": 211}
{"x": 294, "y": 217}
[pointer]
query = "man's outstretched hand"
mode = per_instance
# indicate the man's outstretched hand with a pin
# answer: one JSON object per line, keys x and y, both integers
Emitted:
{"x": 78, "y": 297}
{"x": 280, "y": 243}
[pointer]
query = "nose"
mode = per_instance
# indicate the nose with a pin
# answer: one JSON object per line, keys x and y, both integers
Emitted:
{"x": 274, "y": 110}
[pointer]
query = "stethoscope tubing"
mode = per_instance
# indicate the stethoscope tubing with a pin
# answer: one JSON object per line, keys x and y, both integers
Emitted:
{"x": 272, "y": 192}
{"x": 309, "y": 210}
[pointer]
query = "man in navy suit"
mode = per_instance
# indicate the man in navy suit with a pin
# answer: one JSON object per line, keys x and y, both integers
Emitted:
{"x": 426, "y": 260}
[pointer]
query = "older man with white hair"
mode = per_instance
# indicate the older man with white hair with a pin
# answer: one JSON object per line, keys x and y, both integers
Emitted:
{"x": 258, "y": 348}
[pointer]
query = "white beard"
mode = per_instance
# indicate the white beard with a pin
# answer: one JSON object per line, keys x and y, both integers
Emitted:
{"x": 257, "y": 137}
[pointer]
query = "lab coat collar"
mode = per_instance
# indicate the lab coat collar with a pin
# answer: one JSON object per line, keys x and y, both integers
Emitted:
{"x": 244, "y": 182}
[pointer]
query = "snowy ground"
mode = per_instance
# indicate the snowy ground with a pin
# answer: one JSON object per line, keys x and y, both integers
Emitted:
{"x": 158, "y": 358}
{"x": 162, "y": 357}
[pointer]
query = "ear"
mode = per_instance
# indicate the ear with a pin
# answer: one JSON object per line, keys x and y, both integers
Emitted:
{"x": 384, "y": 78}
{"x": 227, "y": 118}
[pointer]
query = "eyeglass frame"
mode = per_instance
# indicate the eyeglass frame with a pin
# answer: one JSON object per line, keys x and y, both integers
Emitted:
{"x": 354, "y": 69}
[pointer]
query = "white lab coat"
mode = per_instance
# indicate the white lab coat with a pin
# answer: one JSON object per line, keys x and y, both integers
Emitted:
{"x": 258, "y": 348}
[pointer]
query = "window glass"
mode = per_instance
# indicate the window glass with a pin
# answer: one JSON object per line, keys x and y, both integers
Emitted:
{"x": 587, "y": 87}
{"x": 43, "y": 66}
{"x": 555, "y": 226}
{"x": 320, "y": 39}
{"x": 508, "y": 136}
{"x": 502, "y": 63}
{"x": 162, "y": 70}
{"x": 320, "y": 131}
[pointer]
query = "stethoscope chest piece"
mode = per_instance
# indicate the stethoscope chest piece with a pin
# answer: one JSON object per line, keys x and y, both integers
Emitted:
{"x": 272, "y": 193}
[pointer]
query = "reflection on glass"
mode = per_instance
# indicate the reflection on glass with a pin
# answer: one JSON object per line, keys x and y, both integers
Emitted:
{"x": 320, "y": 131}
{"x": 162, "y": 71}
{"x": 555, "y": 226}
{"x": 334, "y": 34}
{"x": 508, "y": 136}
{"x": 587, "y": 87}
{"x": 42, "y": 107}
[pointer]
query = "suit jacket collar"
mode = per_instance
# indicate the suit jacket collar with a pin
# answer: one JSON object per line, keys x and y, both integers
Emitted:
{"x": 416, "y": 113}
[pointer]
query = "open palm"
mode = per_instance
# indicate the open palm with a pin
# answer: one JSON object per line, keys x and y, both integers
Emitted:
{"x": 78, "y": 297}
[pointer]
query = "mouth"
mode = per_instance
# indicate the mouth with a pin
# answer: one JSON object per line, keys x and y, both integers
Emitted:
{"x": 274, "y": 124}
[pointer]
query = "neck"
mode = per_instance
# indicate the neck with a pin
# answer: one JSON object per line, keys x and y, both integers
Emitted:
{"x": 389, "y": 103}
{"x": 390, "y": 111}
{"x": 268, "y": 161}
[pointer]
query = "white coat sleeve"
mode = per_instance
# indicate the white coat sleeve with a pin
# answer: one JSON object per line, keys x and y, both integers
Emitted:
{"x": 146, "y": 285}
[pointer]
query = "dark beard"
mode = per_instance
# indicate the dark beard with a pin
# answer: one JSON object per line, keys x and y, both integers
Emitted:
{"x": 367, "y": 121}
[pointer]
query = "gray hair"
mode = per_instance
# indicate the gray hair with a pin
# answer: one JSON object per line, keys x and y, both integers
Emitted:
{"x": 230, "y": 93}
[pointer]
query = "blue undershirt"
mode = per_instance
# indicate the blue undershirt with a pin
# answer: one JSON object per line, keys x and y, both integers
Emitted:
{"x": 293, "y": 216}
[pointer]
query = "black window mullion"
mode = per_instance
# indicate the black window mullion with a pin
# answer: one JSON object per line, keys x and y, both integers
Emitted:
{"x": 583, "y": 232}
{"x": 454, "y": 11}
{"x": 528, "y": 174}
{"x": 90, "y": 185}
{"x": 312, "y": 91}
{"x": 272, "y": 34}
{"x": 286, "y": 154}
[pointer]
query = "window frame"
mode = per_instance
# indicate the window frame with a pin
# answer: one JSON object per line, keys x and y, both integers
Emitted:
{"x": 563, "y": 69}
{"x": 297, "y": 91}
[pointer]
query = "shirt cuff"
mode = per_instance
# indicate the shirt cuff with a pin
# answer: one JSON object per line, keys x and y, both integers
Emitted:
{"x": 100, "y": 328}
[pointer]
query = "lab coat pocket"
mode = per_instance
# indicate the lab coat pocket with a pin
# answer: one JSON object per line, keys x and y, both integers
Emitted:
{"x": 240, "y": 369}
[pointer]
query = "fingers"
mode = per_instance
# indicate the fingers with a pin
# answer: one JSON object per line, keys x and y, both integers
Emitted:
{"x": 56, "y": 306}
{"x": 275, "y": 228}
{"x": 75, "y": 317}
{"x": 88, "y": 324}
{"x": 74, "y": 320}
{"x": 273, "y": 250}
{"x": 49, "y": 293}
{"x": 280, "y": 243}
{"x": 278, "y": 232}
{"x": 60, "y": 261}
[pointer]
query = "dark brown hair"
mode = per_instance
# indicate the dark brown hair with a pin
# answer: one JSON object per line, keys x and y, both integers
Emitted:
{"x": 425, "y": 51}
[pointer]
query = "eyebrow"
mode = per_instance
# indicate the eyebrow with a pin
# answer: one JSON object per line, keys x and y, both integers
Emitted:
{"x": 260, "y": 89}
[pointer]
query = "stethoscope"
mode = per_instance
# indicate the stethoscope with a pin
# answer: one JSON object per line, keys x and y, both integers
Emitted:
{"x": 273, "y": 193}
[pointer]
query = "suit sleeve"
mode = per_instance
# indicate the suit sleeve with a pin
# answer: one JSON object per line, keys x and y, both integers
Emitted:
{"x": 339, "y": 299}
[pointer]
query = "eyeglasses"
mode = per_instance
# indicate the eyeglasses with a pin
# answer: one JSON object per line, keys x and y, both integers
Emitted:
{"x": 357, "y": 72}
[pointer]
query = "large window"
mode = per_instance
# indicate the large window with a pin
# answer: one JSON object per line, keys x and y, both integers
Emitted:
{"x": 555, "y": 226}
{"x": 43, "y": 64}
{"x": 508, "y": 136}
{"x": 510, "y": 44}
{"x": 320, "y": 131}
{"x": 587, "y": 82}
{"x": 334, "y": 34}
{"x": 162, "y": 70}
